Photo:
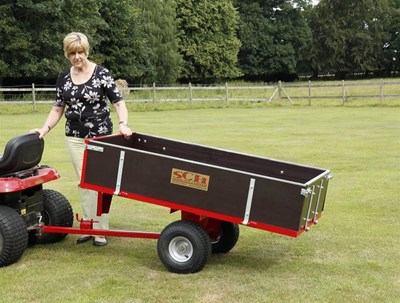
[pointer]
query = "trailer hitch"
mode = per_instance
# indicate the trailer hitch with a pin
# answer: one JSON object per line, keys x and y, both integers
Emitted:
{"x": 85, "y": 224}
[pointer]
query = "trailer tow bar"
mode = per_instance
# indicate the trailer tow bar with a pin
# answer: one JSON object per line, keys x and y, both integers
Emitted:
{"x": 86, "y": 228}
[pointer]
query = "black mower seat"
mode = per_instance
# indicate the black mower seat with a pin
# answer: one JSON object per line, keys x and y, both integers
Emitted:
{"x": 21, "y": 153}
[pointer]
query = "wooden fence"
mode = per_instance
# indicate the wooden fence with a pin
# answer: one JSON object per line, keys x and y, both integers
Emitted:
{"x": 300, "y": 92}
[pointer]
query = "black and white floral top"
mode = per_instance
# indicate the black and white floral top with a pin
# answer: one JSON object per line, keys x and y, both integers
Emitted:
{"x": 87, "y": 111}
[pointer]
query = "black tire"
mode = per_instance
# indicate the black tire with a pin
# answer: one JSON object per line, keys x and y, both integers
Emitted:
{"x": 226, "y": 239}
{"x": 57, "y": 212}
{"x": 13, "y": 236}
{"x": 184, "y": 247}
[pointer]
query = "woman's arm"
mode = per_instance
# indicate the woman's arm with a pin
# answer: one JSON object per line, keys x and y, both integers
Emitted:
{"x": 122, "y": 114}
{"x": 54, "y": 116}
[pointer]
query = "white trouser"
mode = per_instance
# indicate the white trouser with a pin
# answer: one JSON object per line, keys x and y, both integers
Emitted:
{"x": 76, "y": 148}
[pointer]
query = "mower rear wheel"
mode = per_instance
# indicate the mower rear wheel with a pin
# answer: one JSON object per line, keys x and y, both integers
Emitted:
{"x": 13, "y": 236}
{"x": 57, "y": 212}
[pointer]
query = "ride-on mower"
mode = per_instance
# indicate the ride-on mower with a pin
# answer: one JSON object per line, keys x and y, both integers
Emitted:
{"x": 24, "y": 203}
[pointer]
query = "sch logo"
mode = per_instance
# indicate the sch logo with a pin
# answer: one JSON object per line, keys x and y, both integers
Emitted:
{"x": 190, "y": 179}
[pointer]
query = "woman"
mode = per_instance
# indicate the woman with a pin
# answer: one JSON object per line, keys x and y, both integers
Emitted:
{"x": 82, "y": 93}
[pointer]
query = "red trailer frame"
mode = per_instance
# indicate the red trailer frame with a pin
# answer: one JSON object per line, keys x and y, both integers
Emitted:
{"x": 263, "y": 193}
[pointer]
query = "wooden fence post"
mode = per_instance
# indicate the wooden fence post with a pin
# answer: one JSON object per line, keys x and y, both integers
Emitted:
{"x": 309, "y": 92}
{"x": 343, "y": 93}
{"x": 33, "y": 97}
{"x": 280, "y": 90}
{"x": 190, "y": 94}
{"x": 226, "y": 94}
{"x": 381, "y": 96}
{"x": 154, "y": 96}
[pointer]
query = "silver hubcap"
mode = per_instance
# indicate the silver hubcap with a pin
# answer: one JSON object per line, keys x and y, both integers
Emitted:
{"x": 180, "y": 249}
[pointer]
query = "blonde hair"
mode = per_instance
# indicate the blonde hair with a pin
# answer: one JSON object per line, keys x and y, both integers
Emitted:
{"x": 74, "y": 42}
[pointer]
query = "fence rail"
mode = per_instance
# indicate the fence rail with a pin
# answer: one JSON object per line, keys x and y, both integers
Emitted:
{"x": 227, "y": 93}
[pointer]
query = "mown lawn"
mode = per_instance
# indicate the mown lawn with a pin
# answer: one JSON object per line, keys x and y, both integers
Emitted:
{"x": 352, "y": 255}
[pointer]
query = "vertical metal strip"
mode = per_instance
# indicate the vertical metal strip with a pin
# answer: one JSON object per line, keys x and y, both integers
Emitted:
{"x": 249, "y": 202}
{"x": 120, "y": 170}
{"x": 321, "y": 186}
{"x": 309, "y": 208}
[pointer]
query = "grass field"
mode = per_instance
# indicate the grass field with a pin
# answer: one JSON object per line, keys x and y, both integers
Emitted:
{"x": 352, "y": 255}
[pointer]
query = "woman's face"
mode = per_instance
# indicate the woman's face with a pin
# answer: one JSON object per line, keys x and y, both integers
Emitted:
{"x": 78, "y": 58}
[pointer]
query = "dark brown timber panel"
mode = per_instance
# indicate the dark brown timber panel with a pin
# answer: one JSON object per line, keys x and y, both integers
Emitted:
{"x": 150, "y": 162}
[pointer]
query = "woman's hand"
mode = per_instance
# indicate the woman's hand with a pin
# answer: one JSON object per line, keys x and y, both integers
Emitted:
{"x": 125, "y": 131}
{"x": 41, "y": 131}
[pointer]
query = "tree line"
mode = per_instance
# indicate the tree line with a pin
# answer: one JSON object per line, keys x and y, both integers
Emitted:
{"x": 202, "y": 41}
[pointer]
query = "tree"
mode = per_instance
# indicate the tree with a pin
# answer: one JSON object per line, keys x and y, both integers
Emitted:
{"x": 349, "y": 36}
{"x": 10, "y": 35}
{"x": 273, "y": 35}
{"x": 209, "y": 45}
{"x": 141, "y": 44}
{"x": 122, "y": 36}
{"x": 160, "y": 29}
{"x": 392, "y": 46}
{"x": 121, "y": 46}
{"x": 32, "y": 31}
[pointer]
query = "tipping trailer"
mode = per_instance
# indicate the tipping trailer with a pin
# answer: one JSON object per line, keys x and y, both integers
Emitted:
{"x": 215, "y": 190}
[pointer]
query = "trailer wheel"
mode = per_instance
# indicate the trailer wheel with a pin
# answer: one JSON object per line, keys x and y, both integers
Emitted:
{"x": 226, "y": 239}
{"x": 184, "y": 247}
{"x": 13, "y": 236}
{"x": 57, "y": 212}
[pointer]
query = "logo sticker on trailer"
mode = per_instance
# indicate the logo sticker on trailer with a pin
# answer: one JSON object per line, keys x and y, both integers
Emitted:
{"x": 190, "y": 179}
